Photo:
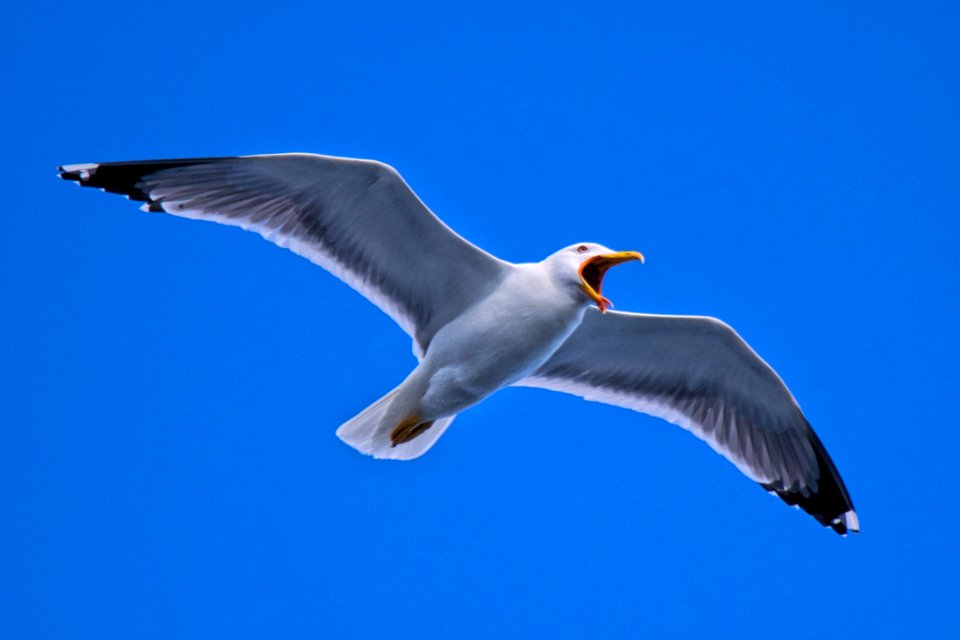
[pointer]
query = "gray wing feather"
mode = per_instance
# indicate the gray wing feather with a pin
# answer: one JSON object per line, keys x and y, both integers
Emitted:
{"x": 699, "y": 374}
{"x": 356, "y": 218}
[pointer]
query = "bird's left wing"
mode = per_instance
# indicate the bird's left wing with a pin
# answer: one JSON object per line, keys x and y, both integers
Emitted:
{"x": 356, "y": 218}
{"x": 697, "y": 373}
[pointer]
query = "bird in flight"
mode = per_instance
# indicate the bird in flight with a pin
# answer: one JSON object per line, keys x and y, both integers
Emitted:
{"x": 479, "y": 323}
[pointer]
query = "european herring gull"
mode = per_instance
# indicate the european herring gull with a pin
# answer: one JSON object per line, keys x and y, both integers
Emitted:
{"x": 479, "y": 323}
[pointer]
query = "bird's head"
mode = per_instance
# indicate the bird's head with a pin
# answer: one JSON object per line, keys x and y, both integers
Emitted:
{"x": 583, "y": 265}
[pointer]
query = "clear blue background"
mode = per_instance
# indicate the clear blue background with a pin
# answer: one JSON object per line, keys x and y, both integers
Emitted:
{"x": 169, "y": 389}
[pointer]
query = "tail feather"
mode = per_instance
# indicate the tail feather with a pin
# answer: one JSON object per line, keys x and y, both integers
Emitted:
{"x": 369, "y": 433}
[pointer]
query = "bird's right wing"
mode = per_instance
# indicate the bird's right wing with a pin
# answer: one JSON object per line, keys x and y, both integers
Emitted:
{"x": 356, "y": 218}
{"x": 697, "y": 373}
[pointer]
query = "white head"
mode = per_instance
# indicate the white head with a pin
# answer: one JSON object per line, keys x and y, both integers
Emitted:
{"x": 582, "y": 266}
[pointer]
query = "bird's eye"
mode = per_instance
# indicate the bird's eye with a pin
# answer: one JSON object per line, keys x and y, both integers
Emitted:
{"x": 581, "y": 248}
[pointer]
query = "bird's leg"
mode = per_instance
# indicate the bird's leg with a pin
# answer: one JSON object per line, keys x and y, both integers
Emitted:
{"x": 408, "y": 430}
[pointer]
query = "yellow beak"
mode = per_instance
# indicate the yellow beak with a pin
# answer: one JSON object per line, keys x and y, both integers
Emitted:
{"x": 593, "y": 269}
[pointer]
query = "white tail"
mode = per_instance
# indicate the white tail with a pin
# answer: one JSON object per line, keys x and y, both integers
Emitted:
{"x": 368, "y": 433}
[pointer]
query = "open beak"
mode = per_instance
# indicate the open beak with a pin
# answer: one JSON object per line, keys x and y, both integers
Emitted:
{"x": 593, "y": 269}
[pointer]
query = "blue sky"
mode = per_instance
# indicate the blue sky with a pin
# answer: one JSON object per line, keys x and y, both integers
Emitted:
{"x": 169, "y": 389}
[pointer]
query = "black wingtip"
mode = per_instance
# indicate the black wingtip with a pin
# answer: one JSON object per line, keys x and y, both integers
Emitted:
{"x": 829, "y": 503}
{"x": 74, "y": 172}
{"x": 124, "y": 178}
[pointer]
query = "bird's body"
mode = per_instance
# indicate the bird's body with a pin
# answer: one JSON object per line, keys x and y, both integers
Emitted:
{"x": 480, "y": 324}
{"x": 472, "y": 356}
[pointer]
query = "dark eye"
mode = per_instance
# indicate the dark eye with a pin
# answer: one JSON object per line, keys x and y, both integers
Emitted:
{"x": 582, "y": 248}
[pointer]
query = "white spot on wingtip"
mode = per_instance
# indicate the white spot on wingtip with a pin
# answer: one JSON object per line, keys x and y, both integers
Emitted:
{"x": 851, "y": 520}
{"x": 85, "y": 170}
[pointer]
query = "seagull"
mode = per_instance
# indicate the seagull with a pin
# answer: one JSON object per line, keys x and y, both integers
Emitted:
{"x": 479, "y": 323}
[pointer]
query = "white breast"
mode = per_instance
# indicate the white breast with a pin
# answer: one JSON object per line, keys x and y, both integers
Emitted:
{"x": 503, "y": 338}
